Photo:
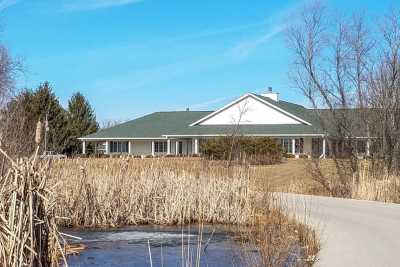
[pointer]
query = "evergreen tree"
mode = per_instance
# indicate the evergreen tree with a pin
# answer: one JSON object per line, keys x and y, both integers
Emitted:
{"x": 47, "y": 108}
{"x": 25, "y": 110}
{"x": 81, "y": 121}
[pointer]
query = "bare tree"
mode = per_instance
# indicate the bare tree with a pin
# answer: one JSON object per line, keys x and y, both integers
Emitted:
{"x": 8, "y": 70}
{"x": 384, "y": 93}
{"x": 236, "y": 120}
{"x": 331, "y": 67}
{"x": 110, "y": 123}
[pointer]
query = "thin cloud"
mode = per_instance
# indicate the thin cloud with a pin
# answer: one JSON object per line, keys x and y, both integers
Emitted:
{"x": 243, "y": 49}
{"x": 217, "y": 32}
{"x": 7, "y": 3}
{"x": 86, "y": 5}
{"x": 278, "y": 23}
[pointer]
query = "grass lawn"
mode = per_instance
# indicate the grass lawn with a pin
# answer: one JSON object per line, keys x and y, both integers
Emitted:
{"x": 294, "y": 176}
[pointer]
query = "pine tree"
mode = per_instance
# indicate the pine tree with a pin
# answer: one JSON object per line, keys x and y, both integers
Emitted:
{"x": 81, "y": 121}
{"x": 47, "y": 108}
{"x": 25, "y": 110}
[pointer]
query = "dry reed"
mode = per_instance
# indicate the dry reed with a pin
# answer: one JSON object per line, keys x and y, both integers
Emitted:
{"x": 280, "y": 240}
{"x": 113, "y": 192}
{"x": 369, "y": 183}
{"x": 383, "y": 187}
{"x": 28, "y": 231}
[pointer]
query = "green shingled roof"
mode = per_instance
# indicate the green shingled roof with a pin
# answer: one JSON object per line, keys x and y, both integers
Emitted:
{"x": 152, "y": 126}
{"x": 177, "y": 123}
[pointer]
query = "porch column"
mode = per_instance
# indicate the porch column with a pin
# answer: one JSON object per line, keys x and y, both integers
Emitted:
{"x": 153, "y": 153}
{"x": 323, "y": 148}
{"x": 196, "y": 146}
{"x": 367, "y": 149}
{"x": 129, "y": 147}
{"x": 169, "y": 146}
{"x": 176, "y": 147}
{"x": 83, "y": 147}
{"x": 293, "y": 146}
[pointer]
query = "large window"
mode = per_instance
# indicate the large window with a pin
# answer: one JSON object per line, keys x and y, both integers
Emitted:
{"x": 119, "y": 147}
{"x": 286, "y": 145}
{"x": 160, "y": 147}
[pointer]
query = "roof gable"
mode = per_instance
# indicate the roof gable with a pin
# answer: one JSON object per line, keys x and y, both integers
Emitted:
{"x": 252, "y": 109}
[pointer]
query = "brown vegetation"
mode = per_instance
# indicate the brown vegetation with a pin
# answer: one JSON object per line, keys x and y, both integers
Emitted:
{"x": 112, "y": 192}
{"x": 282, "y": 241}
{"x": 28, "y": 229}
{"x": 119, "y": 191}
{"x": 321, "y": 178}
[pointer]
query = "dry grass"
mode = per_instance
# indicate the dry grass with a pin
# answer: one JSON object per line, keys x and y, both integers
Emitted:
{"x": 293, "y": 176}
{"x": 296, "y": 176}
{"x": 28, "y": 231}
{"x": 112, "y": 192}
{"x": 384, "y": 187}
{"x": 281, "y": 241}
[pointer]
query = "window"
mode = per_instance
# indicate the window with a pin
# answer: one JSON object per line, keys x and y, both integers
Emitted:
{"x": 119, "y": 147}
{"x": 286, "y": 145}
{"x": 180, "y": 147}
{"x": 299, "y": 145}
{"x": 160, "y": 147}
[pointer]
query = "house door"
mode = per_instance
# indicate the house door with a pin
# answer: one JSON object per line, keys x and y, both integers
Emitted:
{"x": 180, "y": 147}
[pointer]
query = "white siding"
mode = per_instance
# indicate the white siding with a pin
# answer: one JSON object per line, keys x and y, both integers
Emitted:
{"x": 307, "y": 146}
{"x": 249, "y": 111}
{"x": 141, "y": 147}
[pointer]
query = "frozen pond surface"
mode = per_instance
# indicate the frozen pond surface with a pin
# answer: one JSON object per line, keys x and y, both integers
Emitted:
{"x": 129, "y": 247}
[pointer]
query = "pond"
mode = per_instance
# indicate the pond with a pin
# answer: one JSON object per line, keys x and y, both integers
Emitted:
{"x": 157, "y": 246}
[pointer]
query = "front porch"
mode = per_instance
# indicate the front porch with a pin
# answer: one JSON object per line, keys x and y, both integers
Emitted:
{"x": 139, "y": 147}
{"x": 186, "y": 146}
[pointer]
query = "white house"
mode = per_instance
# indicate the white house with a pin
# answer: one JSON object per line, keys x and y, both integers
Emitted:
{"x": 182, "y": 132}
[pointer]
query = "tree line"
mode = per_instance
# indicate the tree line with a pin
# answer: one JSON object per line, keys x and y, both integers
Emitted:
{"x": 62, "y": 127}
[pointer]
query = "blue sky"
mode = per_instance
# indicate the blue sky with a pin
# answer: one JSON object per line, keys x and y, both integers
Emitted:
{"x": 133, "y": 57}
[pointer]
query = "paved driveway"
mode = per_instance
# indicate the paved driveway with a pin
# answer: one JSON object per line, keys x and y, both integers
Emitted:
{"x": 352, "y": 232}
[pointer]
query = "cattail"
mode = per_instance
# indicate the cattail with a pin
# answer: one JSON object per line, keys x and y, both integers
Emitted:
{"x": 38, "y": 134}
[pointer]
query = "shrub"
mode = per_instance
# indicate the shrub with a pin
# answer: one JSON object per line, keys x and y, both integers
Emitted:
{"x": 243, "y": 150}
{"x": 288, "y": 156}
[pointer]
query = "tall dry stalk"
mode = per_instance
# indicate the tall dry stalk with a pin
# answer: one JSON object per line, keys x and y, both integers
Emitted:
{"x": 371, "y": 186}
{"x": 28, "y": 231}
{"x": 112, "y": 192}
